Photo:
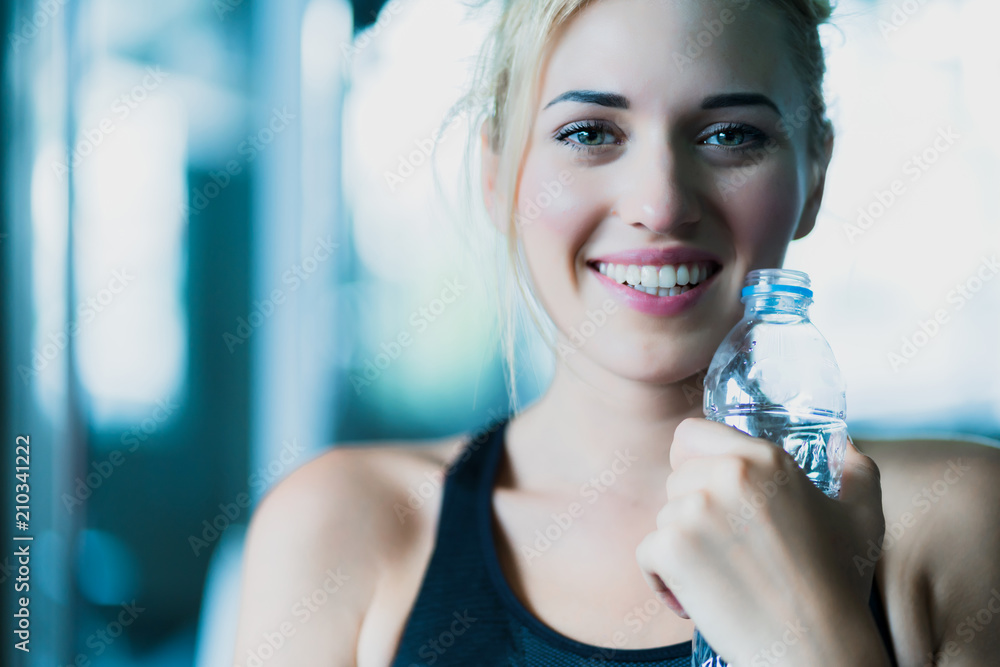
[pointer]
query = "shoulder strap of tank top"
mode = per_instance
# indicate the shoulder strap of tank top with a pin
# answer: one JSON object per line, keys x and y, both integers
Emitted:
{"x": 462, "y": 480}
{"x": 456, "y": 583}
{"x": 469, "y": 463}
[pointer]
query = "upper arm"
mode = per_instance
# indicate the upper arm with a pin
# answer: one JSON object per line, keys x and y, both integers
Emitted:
{"x": 963, "y": 564}
{"x": 308, "y": 574}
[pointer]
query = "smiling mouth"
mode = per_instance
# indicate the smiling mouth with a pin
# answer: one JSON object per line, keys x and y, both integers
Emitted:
{"x": 659, "y": 280}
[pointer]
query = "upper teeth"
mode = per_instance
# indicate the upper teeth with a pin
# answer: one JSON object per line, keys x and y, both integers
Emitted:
{"x": 666, "y": 276}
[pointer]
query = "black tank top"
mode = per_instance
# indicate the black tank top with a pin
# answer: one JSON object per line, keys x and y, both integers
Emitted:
{"x": 466, "y": 613}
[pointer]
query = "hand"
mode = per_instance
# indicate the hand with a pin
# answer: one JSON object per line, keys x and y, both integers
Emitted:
{"x": 754, "y": 553}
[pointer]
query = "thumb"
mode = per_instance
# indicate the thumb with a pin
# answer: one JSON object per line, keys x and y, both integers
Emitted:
{"x": 861, "y": 480}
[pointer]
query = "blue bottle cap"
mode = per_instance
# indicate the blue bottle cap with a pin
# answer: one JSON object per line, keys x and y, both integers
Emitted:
{"x": 771, "y": 281}
{"x": 768, "y": 289}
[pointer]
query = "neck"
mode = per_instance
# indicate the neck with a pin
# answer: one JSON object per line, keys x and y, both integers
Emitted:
{"x": 590, "y": 417}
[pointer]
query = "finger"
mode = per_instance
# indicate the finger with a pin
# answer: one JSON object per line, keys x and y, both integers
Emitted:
{"x": 695, "y": 474}
{"x": 672, "y": 603}
{"x": 861, "y": 480}
{"x": 646, "y": 556}
{"x": 861, "y": 490}
{"x": 695, "y": 438}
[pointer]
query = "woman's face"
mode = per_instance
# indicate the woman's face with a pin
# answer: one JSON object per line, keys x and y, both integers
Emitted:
{"x": 658, "y": 143}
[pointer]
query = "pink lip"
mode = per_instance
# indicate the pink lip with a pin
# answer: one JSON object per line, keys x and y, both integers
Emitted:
{"x": 662, "y": 306}
{"x": 654, "y": 305}
{"x": 657, "y": 257}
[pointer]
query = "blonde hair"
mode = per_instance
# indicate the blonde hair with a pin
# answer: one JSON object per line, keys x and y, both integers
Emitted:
{"x": 503, "y": 99}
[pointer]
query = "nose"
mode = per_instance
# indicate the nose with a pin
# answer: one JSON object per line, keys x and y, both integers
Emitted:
{"x": 659, "y": 192}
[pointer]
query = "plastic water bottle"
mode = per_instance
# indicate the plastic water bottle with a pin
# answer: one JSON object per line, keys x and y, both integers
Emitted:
{"x": 775, "y": 377}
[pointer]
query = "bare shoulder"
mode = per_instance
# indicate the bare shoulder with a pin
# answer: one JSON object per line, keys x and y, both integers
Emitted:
{"x": 320, "y": 542}
{"x": 357, "y": 485}
{"x": 956, "y": 477}
{"x": 940, "y": 560}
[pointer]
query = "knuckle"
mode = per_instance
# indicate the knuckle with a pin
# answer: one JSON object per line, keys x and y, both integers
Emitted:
{"x": 663, "y": 516}
{"x": 672, "y": 542}
{"x": 688, "y": 427}
{"x": 673, "y": 480}
{"x": 775, "y": 457}
{"x": 641, "y": 549}
{"x": 680, "y": 432}
{"x": 740, "y": 473}
{"x": 697, "y": 506}
{"x": 876, "y": 472}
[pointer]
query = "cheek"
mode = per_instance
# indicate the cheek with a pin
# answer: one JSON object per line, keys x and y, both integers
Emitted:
{"x": 764, "y": 211}
{"x": 550, "y": 199}
{"x": 555, "y": 214}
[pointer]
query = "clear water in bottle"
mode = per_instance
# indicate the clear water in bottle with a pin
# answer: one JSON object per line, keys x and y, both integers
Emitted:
{"x": 775, "y": 377}
{"x": 816, "y": 440}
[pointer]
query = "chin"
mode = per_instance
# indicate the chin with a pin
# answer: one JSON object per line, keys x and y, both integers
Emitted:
{"x": 659, "y": 362}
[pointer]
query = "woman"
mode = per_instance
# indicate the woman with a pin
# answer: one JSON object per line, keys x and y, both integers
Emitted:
{"x": 689, "y": 137}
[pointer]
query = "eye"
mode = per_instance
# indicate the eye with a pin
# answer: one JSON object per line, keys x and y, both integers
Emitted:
{"x": 734, "y": 136}
{"x": 587, "y": 135}
{"x": 728, "y": 138}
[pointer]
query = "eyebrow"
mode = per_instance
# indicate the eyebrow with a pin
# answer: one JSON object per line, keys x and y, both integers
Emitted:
{"x": 612, "y": 100}
{"x": 739, "y": 100}
{"x": 617, "y": 101}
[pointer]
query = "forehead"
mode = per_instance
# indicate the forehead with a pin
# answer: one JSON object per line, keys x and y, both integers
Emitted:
{"x": 661, "y": 52}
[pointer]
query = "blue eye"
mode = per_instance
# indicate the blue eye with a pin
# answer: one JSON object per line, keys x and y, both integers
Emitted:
{"x": 586, "y": 135}
{"x": 734, "y": 136}
{"x": 590, "y": 137}
{"x": 729, "y": 138}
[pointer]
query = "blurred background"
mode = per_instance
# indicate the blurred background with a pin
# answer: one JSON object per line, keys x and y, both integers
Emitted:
{"x": 220, "y": 219}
